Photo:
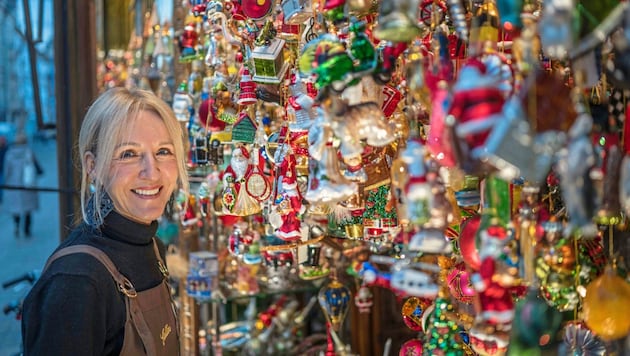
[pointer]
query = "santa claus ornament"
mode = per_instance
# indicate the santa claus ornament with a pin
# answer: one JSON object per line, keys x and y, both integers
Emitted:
{"x": 476, "y": 107}
{"x": 490, "y": 333}
{"x": 235, "y": 197}
{"x": 288, "y": 208}
{"x": 188, "y": 43}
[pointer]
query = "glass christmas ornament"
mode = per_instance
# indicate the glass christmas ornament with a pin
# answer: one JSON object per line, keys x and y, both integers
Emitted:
{"x": 256, "y": 9}
{"x": 557, "y": 29}
{"x": 313, "y": 268}
{"x": 364, "y": 299}
{"x": 189, "y": 43}
{"x": 578, "y": 190}
{"x": 609, "y": 212}
{"x": 417, "y": 191}
{"x": 468, "y": 242}
{"x": 361, "y": 48}
{"x": 237, "y": 200}
{"x": 270, "y": 65}
{"x": 495, "y": 284}
{"x": 476, "y": 107}
{"x": 300, "y": 106}
{"x": 413, "y": 311}
{"x": 200, "y": 150}
{"x": 458, "y": 16}
{"x": 581, "y": 341}
{"x": 459, "y": 284}
{"x": 297, "y": 12}
{"x": 182, "y": 103}
{"x": 617, "y": 67}
{"x": 624, "y": 190}
{"x": 607, "y": 305}
{"x": 397, "y": 21}
{"x": 510, "y": 14}
{"x": 442, "y": 332}
{"x": 439, "y": 137}
{"x": 513, "y": 149}
{"x": 535, "y": 323}
{"x": 334, "y": 299}
{"x": 326, "y": 183}
{"x": 364, "y": 121}
{"x": 411, "y": 347}
{"x": 484, "y": 27}
{"x": 415, "y": 66}
{"x": 414, "y": 282}
{"x": 247, "y": 93}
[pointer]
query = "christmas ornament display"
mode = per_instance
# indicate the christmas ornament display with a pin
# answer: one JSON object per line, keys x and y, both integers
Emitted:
{"x": 456, "y": 154}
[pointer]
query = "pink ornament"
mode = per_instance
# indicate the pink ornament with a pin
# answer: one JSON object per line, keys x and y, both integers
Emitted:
{"x": 459, "y": 284}
{"x": 439, "y": 141}
{"x": 411, "y": 347}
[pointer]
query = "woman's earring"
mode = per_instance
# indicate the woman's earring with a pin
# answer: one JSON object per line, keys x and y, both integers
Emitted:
{"x": 169, "y": 210}
{"x": 95, "y": 217}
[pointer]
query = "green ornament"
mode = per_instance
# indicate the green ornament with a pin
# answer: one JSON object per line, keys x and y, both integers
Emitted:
{"x": 443, "y": 333}
{"x": 536, "y": 323}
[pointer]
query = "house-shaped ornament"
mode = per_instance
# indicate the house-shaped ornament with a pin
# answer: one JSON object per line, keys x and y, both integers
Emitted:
{"x": 270, "y": 66}
{"x": 244, "y": 129}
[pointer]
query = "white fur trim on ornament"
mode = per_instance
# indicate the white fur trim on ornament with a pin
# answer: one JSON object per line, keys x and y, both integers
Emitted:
{"x": 502, "y": 317}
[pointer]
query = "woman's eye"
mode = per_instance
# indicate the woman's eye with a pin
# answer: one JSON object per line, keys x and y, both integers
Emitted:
{"x": 164, "y": 152}
{"x": 127, "y": 155}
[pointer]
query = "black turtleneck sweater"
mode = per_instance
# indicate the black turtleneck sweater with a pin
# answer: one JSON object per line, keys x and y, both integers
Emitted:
{"x": 75, "y": 308}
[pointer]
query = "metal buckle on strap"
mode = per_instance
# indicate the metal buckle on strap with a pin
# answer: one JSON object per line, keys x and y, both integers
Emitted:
{"x": 127, "y": 289}
{"x": 163, "y": 269}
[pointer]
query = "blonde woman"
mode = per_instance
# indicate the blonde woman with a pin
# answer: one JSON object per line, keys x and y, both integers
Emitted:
{"x": 111, "y": 266}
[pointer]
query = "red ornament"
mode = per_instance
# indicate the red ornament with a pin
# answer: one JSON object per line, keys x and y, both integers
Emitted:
{"x": 256, "y": 9}
{"x": 468, "y": 243}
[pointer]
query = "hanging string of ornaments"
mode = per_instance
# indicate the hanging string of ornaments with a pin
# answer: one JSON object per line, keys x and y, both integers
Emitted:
{"x": 460, "y": 145}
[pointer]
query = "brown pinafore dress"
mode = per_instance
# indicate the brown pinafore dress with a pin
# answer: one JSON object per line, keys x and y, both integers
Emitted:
{"x": 151, "y": 327}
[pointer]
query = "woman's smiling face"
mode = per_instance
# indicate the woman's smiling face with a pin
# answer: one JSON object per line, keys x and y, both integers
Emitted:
{"x": 143, "y": 173}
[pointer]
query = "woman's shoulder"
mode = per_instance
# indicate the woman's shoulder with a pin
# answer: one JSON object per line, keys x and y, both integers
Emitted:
{"x": 78, "y": 263}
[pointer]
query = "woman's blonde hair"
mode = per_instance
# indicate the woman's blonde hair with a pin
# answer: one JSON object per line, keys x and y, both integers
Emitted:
{"x": 104, "y": 126}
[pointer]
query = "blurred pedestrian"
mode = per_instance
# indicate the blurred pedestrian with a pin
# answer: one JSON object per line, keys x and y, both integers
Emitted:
{"x": 3, "y": 151}
{"x": 23, "y": 201}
